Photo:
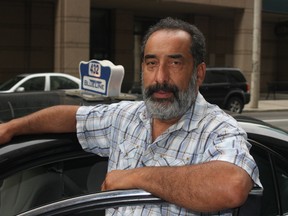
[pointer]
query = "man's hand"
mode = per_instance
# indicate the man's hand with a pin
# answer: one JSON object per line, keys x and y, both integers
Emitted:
{"x": 5, "y": 136}
{"x": 119, "y": 179}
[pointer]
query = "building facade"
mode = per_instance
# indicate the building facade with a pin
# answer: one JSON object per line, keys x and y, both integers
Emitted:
{"x": 55, "y": 35}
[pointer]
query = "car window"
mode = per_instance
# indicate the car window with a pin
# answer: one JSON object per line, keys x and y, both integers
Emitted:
{"x": 51, "y": 182}
{"x": 62, "y": 83}
{"x": 282, "y": 178}
{"x": 236, "y": 76}
{"x": 215, "y": 77}
{"x": 269, "y": 203}
{"x": 10, "y": 83}
{"x": 34, "y": 84}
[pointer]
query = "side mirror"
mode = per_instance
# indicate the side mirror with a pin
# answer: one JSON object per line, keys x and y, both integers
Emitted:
{"x": 20, "y": 89}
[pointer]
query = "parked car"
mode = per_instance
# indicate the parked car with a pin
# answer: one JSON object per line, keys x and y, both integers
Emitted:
{"x": 227, "y": 88}
{"x": 53, "y": 172}
{"x": 40, "y": 82}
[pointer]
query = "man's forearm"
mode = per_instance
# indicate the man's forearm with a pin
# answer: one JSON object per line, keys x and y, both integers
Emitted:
{"x": 207, "y": 187}
{"x": 57, "y": 119}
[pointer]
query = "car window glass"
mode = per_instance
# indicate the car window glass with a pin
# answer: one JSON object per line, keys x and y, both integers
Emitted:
{"x": 269, "y": 204}
{"x": 51, "y": 182}
{"x": 62, "y": 83}
{"x": 10, "y": 83}
{"x": 236, "y": 76}
{"x": 215, "y": 77}
{"x": 282, "y": 178}
{"x": 34, "y": 84}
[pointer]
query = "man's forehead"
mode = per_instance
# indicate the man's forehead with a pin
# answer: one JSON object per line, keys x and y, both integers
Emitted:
{"x": 165, "y": 38}
{"x": 169, "y": 32}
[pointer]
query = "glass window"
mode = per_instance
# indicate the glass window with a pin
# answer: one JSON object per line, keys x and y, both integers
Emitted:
{"x": 34, "y": 84}
{"x": 100, "y": 35}
{"x": 10, "y": 83}
{"x": 269, "y": 203}
{"x": 215, "y": 77}
{"x": 282, "y": 179}
{"x": 236, "y": 76}
{"x": 51, "y": 182}
{"x": 62, "y": 83}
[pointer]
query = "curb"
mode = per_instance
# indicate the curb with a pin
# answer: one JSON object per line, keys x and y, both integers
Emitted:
{"x": 269, "y": 105}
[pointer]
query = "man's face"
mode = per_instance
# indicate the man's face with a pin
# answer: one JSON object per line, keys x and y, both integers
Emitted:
{"x": 169, "y": 89}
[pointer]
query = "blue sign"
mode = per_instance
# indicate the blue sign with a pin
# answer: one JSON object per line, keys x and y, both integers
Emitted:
{"x": 101, "y": 77}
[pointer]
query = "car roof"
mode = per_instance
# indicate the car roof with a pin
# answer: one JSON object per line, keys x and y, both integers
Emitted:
{"x": 264, "y": 134}
{"x": 45, "y": 73}
{"x": 222, "y": 68}
{"x": 230, "y": 69}
{"x": 256, "y": 126}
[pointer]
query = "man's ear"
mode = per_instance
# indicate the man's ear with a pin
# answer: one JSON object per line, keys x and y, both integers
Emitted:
{"x": 201, "y": 71}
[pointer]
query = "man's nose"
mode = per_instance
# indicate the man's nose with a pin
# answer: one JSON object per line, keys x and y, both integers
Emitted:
{"x": 162, "y": 74}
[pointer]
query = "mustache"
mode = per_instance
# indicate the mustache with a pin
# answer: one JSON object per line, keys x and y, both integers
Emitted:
{"x": 162, "y": 87}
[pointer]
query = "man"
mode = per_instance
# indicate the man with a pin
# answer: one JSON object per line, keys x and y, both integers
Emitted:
{"x": 174, "y": 144}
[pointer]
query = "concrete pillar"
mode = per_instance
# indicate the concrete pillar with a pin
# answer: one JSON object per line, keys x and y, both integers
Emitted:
{"x": 72, "y": 29}
{"x": 243, "y": 40}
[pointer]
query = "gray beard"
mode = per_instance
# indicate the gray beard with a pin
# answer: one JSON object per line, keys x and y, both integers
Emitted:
{"x": 173, "y": 108}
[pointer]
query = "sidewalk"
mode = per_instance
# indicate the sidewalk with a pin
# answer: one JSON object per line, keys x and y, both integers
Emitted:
{"x": 279, "y": 104}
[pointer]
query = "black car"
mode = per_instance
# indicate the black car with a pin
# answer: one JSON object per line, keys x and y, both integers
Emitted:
{"x": 227, "y": 88}
{"x": 52, "y": 173}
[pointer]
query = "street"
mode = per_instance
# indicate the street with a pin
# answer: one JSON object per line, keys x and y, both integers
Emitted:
{"x": 278, "y": 119}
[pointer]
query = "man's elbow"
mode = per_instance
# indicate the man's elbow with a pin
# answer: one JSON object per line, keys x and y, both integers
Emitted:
{"x": 239, "y": 191}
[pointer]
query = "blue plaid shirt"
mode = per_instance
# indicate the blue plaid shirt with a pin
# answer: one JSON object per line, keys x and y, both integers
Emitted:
{"x": 122, "y": 132}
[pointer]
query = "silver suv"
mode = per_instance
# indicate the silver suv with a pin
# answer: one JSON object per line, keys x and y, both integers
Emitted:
{"x": 227, "y": 88}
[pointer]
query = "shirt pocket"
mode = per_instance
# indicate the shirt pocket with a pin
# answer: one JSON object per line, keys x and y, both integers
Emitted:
{"x": 129, "y": 155}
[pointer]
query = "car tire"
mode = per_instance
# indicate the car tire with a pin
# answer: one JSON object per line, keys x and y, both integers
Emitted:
{"x": 234, "y": 104}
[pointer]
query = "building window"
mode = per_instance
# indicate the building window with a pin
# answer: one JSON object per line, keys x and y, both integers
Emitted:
{"x": 100, "y": 34}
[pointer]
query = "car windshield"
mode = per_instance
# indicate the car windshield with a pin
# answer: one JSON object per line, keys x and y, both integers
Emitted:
{"x": 10, "y": 83}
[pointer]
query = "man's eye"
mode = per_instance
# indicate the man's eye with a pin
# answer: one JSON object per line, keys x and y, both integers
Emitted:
{"x": 151, "y": 63}
{"x": 175, "y": 63}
